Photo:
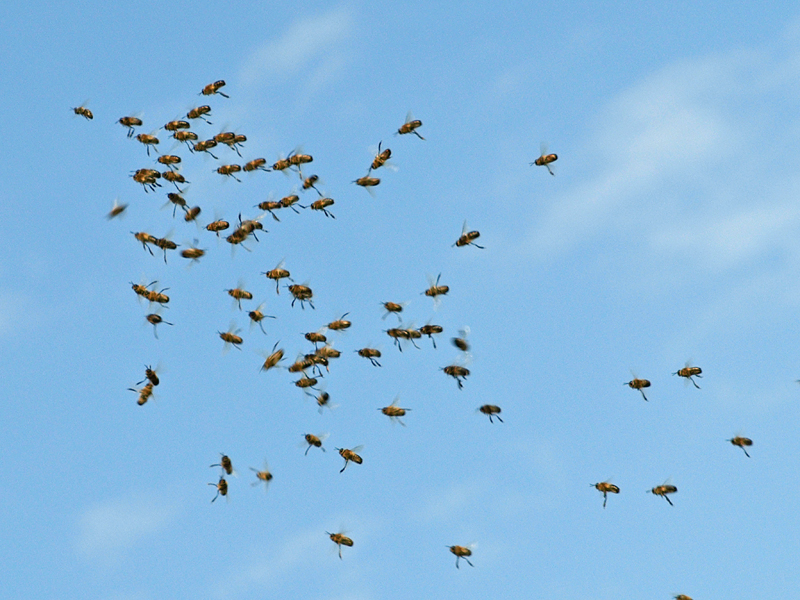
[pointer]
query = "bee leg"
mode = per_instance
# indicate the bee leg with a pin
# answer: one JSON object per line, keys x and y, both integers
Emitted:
{"x": 465, "y": 558}
{"x": 605, "y": 498}
{"x": 422, "y": 138}
{"x": 340, "y": 551}
{"x": 693, "y": 382}
{"x": 307, "y": 449}
{"x": 643, "y": 396}
{"x": 668, "y": 500}
{"x": 745, "y": 453}
{"x": 344, "y": 467}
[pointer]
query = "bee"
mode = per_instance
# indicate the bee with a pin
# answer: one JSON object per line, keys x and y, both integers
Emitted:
{"x": 169, "y": 160}
{"x": 199, "y": 112}
{"x": 269, "y": 206}
{"x": 397, "y": 334}
{"x": 116, "y": 210}
{"x": 410, "y": 126}
{"x": 142, "y": 290}
{"x": 176, "y": 125}
{"x": 492, "y": 411}
{"x": 741, "y": 442}
{"x": 256, "y": 163}
{"x": 239, "y": 294}
{"x": 146, "y": 239}
{"x": 83, "y": 112}
{"x": 340, "y": 540}
{"x": 195, "y": 254}
{"x": 322, "y": 399}
{"x": 468, "y": 238}
{"x": 309, "y": 182}
{"x": 339, "y": 324}
{"x": 690, "y": 372}
{"x": 367, "y": 183}
{"x": 430, "y": 331}
{"x": 229, "y": 170}
{"x": 150, "y": 375}
{"x": 192, "y": 214}
{"x": 606, "y": 488}
{"x": 185, "y": 136}
{"x": 371, "y": 354}
{"x": 290, "y": 201}
{"x": 222, "y": 488}
{"x": 282, "y": 164}
{"x": 461, "y": 552}
{"x": 328, "y": 351}
{"x": 638, "y": 384}
{"x": 273, "y": 358}
{"x": 148, "y": 140}
{"x": 380, "y": 158}
{"x": 256, "y": 316}
{"x": 225, "y": 463}
{"x": 458, "y": 373}
{"x": 315, "y": 441}
{"x": 213, "y": 88}
{"x": 144, "y": 394}
{"x": 154, "y": 319}
{"x": 436, "y": 290}
{"x": 316, "y": 337}
{"x": 350, "y": 455}
{"x": 392, "y": 307}
{"x": 205, "y": 146}
{"x": 176, "y": 200}
{"x": 394, "y": 412}
{"x": 147, "y": 177}
{"x": 461, "y": 342}
{"x": 165, "y": 244}
{"x": 277, "y": 274}
{"x": 306, "y": 382}
{"x": 322, "y": 204}
{"x": 315, "y": 360}
{"x": 130, "y": 123}
{"x": 175, "y": 178}
{"x": 545, "y": 159}
{"x": 235, "y": 144}
{"x": 264, "y": 476}
{"x": 151, "y": 295}
{"x": 231, "y": 337}
{"x": 217, "y": 226}
{"x": 682, "y": 597}
{"x": 302, "y": 293}
{"x": 663, "y": 490}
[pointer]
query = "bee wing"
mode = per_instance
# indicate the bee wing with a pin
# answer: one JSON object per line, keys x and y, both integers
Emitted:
{"x": 409, "y": 118}
{"x": 357, "y": 449}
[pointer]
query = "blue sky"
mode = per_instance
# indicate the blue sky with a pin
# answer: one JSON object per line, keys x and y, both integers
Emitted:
{"x": 668, "y": 234}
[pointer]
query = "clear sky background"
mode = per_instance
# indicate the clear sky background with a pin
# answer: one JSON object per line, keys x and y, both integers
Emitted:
{"x": 670, "y": 232}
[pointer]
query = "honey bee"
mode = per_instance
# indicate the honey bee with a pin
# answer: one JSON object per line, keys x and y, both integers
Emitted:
{"x": 350, "y": 455}
{"x": 154, "y": 319}
{"x": 146, "y": 239}
{"x": 195, "y": 254}
{"x": 545, "y": 159}
{"x": 213, "y": 88}
{"x": 175, "y": 178}
{"x": 256, "y": 163}
{"x": 606, "y": 487}
{"x": 230, "y": 337}
{"x": 176, "y": 125}
{"x": 322, "y": 204}
{"x": 682, "y": 597}
{"x": 458, "y": 373}
{"x": 185, "y": 136}
{"x": 148, "y": 140}
{"x": 165, "y": 244}
{"x": 397, "y": 334}
{"x": 468, "y": 238}
{"x": 461, "y": 552}
{"x": 663, "y": 490}
{"x": 380, "y": 158}
{"x": 690, "y": 372}
{"x": 217, "y": 226}
{"x": 393, "y": 307}
{"x": 328, "y": 351}
{"x": 461, "y": 342}
{"x": 151, "y": 295}
{"x": 302, "y": 293}
{"x": 225, "y": 463}
{"x": 410, "y": 126}
{"x": 367, "y": 183}
{"x": 144, "y": 394}
{"x": 256, "y": 316}
{"x": 150, "y": 375}
{"x": 290, "y": 201}
{"x": 229, "y": 170}
{"x": 309, "y": 182}
{"x": 316, "y": 337}
{"x": 231, "y": 139}
{"x": 130, "y": 123}
{"x": 394, "y": 412}
{"x": 176, "y": 200}
{"x": 315, "y": 441}
{"x": 436, "y": 290}
{"x": 412, "y": 334}
{"x": 277, "y": 274}
{"x": 142, "y": 290}
{"x": 306, "y": 382}
{"x": 322, "y": 399}
{"x": 339, "y": 324}
{"x": 192, "y": 214}
{"x": 83, "y": 112}
{"x": 273, "y": 358}
{"x": 169, "y": 160}
{"x": 148, "y": 178}
{"x": 371, "y": 354}
{"x": 492, "y": 411}
{"x": 340, "y": 540}
{"x": 638, "y": 384}
{"x": 205, "y": 146}
{"x": 116, "y": 210}
{"x": 264, "y": 476}
{"x": 741, "y": 442}
{"x": 282, "y": 164}
{"x": 199, "y": 112}
{"x": 430, "y": 331}
{"x": 239, "y": 294}
{"x": 222, "y": 488}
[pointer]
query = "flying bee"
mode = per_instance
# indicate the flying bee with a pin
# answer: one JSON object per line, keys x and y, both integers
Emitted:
{"x": 339, "y": 324}
{"x": 410, "y": 126}
{"x": 306, "y": 382}
{"x": 225, "y": 463}
{"x": 185, "y": 136}
{"x": 154, "y": 319}
{"x": 222, "y": 488}
{"x": 256, "y": 316}
{"x": 230, "y": 337}
{"x": 199, "y": 112}
{"x": 315, "y": 441}
{"x": 176, "y": 200}
{"x": 213, "y": 88}
{"x": 316, "y": 337}
{"x": 277, "y": 274}
{"x": 130, "y": 123}
{"x": 151, "y": 295}
{"x": 272, "y": 360}
{"x": 393, "y": 307}
{"x": 302, "y": 293}
{"x": 148, "y": 178}
{"x": 146, "y": 239}
{"x": 142, "y": 290}
{"x": 322, "y": 399}
{"x": 236, "y": 142}
{"x": 350, "y": 455}
{"x": 468, "y": 238}
{"x": 144, "y": 394}
{"x": 682, "y": 597}
{"x": 436, "y": 290}
{"x": 663, "y": 490}
{"x": 638, "y": 384}
{"x": 176, "y": 125}
{"x": 394, "y": 412}
{"x": 309, "y": 182}
{"x": 174, "y": 178}
{"x": 83, "y": 112}
{"x": 264, "y": 476}
{"x": 461, "y": 552}
{"x": 340, "y": 540}
{"x": 461, "y": 342}
{"x": 150, "y": 375}
{"x": 226, "y": 137}
{"x": 607, "y": 488}
{"x": 741, "y": 442}
{"x": 192, "y": 214}
{"x": 256, "y": 163}
{"x": 367, "y": 183}
{"x": 430, "y": 331}
{"x": 316, "y": 360}
{"x": 239, "y": 294}
{"x": 116, "y": 210}
{"x": 545, "y": 159}
{"x": 165, "y": 244}
{"x": 205, "y": 146}
{"x": 322, "y": 204}
{"x": 397, "y": 334}
{"x": 371, "y": 354}
{"x": 217, "y": 226}
{"x": 690, "y": 372}
{"x": 458, "y": 373}
{"x": 492, "y": 411}
{"x": 169, "y": 160}
{"x": 299, "y": 159}
{"x": 289, "y": 201}
{"x": 148, "y": 140}
{"x": 194, "y": 254}
{"x": 282, "y": 164}
{"x": 328, "y": 351}
{"x": 229, "y": 170}
{"x": 380, "y": 158}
